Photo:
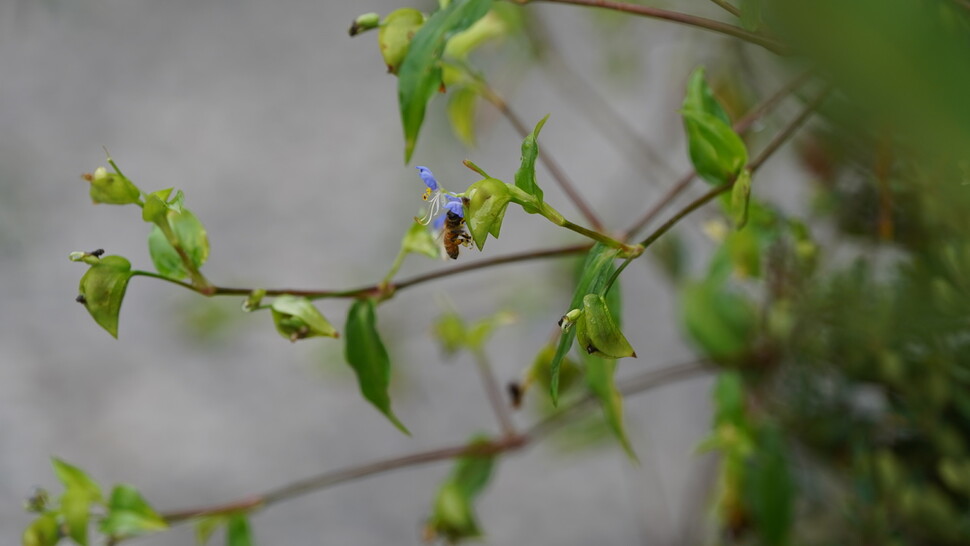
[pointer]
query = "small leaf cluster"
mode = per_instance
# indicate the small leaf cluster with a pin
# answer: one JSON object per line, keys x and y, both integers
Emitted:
{"x": 124, "y": 513}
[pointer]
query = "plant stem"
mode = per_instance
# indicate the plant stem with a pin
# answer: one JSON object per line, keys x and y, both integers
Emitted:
{"x": 377, "y": 289}
{"x": 605, "y": 239}
{"x": 554, "y": 169}
{"x": 740, "y": 126}
{"x": 637, "y": 384}
{"x": 690, "y": 20}
{"x": 495, "y": 399}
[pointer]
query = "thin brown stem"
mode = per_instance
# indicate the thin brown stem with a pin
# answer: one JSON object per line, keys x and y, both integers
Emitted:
{"x": 682, "y": 18}
{"x": 495, "y": 399}
{"x": 551, "y": 165}
{"x": 377, "y": 289}
{"x": 637, "y": 384}
{"x": 742, "y": 125}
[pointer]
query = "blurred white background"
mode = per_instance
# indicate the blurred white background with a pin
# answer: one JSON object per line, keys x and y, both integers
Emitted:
{"x": 284, "y": 134}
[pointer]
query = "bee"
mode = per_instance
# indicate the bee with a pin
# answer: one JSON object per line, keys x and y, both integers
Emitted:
{"x": 455, "y": 234}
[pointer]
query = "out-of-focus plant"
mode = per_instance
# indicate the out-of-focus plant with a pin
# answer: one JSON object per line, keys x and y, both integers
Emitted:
{"x": 841, "y": 399}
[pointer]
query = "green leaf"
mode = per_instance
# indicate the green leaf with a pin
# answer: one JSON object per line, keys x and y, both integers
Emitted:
{"x": 189, "y": 234}
{"x": 75, "y": 479}
{"x": 103, "y": 287}
{"x": 751, "y": 14}
{"x": 395, "y": 34}
{"x": 721, "y": 322}
{"x": 296, "y": 318}
{"x": 112, "y": 188}
{"x": 366, "y": 354}
{"x": 76, "y": 507}
{"x": 157, "y": 205}
{"x": 129, "y": 514}
{"x": 43, "y": 531}
{"x": 420, "y": 72}
{"x": 419, "y": 240}
{"x": 525, "y": 177}
{"x": 717, "y": 152}
{"x": 605, "y": 338}
{"x": 600, "y": 380}
{"x": 461, "y": 114}
{"x": 237, "y": 531}
{"x": 205, "y": 527}
{"x": 596, "y": 271}
{"x": 487, "y": 201}
{"x": 700, "y": 98}
{"x": 453, "y": 515}
{"x": 740, "y": 196}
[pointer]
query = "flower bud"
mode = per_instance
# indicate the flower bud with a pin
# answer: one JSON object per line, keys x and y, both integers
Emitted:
{"x": 111, "y": 188}
{"x": 364, "y": 23}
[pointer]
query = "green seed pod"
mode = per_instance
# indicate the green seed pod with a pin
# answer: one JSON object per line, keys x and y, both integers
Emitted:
{"x": 604, "y": 337}
{"x": 395, "y": 34}
{"x": 111, "y": 188}
{"x": 485, "y": 210}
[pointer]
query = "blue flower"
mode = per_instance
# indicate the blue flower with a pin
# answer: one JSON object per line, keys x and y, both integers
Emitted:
{"x": 439, "y": 201}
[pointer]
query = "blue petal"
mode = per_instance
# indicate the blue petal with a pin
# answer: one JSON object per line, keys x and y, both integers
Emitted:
{"x": 428, "y": 178}
{"x": 438, "y": 223}
{"x": 454, "y": 205}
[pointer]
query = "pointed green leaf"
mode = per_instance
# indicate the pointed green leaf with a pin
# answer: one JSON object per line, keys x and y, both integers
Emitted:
{"x": 716, "y": 151}
{"x": 129, "y": 514}
{"x": 525, "y": 177}
{"x": 596, "y": 271}
{"x": 420, "y": 72}
{"x": 461, "y": 114}
{"x": 395, "y": 34}
{"x": 599, "y": 379}
{"x": 487, "y": 201}
{"x": 419, "y": 240}
{"x": 103, "y": 287}
{"x": 605, "y": 338}
{"x": 43, "y": 531}
{"x": 296, "y": 318}
{"x": 237, "y": 531}
{"x": 700, "y": 98}
{"x": 366, "y": 354}
{"x": 75, "y": 479}
{"x": 740, "y": 196}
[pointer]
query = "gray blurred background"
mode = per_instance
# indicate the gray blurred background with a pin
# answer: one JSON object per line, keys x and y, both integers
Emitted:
{"x": 284, "y": 134}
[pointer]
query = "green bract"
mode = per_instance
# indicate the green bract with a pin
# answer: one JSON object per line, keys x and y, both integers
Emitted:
{"x": 717, "y": 152}
{"x": 487, "y": 201}
{"x": 103, "y": 288}
{"x": 296, "y": 318}
{"x": 366, "y": 354}
{"x": 598, "y": 333}
{"x": 178, "y": 243}
{"x": 112, "y": 188}
{"x": 43, "y": 531}
{"x": 395, "y": 34}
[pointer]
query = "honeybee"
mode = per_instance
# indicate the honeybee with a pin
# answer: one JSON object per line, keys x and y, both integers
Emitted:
{"x": 454, "y": 234}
